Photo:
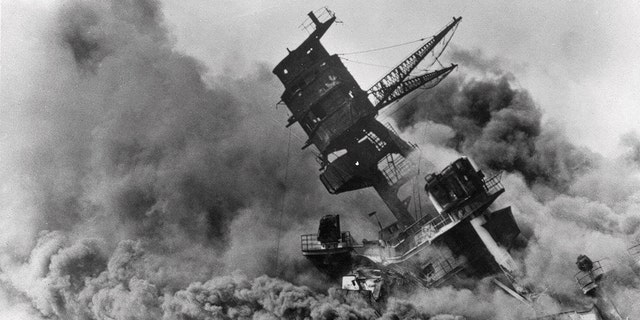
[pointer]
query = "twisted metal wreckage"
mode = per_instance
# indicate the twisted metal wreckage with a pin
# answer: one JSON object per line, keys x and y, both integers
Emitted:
{"x": 465, "y": 239}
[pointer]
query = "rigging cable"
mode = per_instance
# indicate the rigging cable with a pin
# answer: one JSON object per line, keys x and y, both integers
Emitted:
{"x": 366, "y": 63}
{"x": 414, "y": 73}
{"x": 284, "y": 197}
{"x": 383, "y": 48}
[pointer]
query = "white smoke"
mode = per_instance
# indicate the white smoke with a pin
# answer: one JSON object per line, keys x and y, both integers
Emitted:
{"x": 134, "y": 185}
{"x": 567, "y": 200}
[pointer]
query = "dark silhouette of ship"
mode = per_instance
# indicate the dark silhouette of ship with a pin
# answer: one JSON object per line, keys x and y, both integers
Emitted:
{"x": 464, "y": 237}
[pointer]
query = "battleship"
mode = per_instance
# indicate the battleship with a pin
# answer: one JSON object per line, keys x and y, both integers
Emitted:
{"x": 462, "y": 237}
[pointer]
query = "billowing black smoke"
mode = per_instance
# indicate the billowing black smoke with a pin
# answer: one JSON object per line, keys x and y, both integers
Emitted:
{"x": 567, "y": 199}
{"x": 144, "y": 144}
{"x": 122, "y": 137}
{"x": 135, "y": 183}
{"x": 81, "y": 285}
{"x": 498, "y": 125}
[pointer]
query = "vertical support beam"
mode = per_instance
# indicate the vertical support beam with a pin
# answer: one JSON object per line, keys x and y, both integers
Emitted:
{"x": 502, "y": 257}
{"x": 389, "y": 195}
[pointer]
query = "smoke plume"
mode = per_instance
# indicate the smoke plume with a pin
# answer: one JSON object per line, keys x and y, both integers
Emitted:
{"x": 567, "y": 200}
{"x": 137, "y": 185}
{"x": 497, "y": 124}
{"x": 114, "y": 136}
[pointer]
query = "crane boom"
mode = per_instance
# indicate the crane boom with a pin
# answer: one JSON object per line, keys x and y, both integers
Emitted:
{"x": 388, "y": 84}
{"x": 409, "y": 85}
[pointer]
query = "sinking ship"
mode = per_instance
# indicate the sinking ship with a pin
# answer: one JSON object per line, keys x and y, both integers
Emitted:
{"x": 462, "y": 237}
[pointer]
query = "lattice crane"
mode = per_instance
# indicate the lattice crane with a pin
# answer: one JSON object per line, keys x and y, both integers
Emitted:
{"x": 409, "y": 85}
{"x": 393, "y": 85}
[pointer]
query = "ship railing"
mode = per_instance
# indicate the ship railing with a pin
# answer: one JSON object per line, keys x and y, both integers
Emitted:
{"x": 634, "y": 251}
{"x": 395, "y": 135}
{"x": 434, "y": 225}
{"x": 461, "y": 209}
{"x": 309, "y": 242}
{"x": 424, "y": 230}
{"x": 587, "y": 280}
{"x": 431, "y": 229}
{"x": 493, "y": 184}
{"x": 323, "y": 14}
{"x": 394, "y": 168}
{"x": 441, "y": 267}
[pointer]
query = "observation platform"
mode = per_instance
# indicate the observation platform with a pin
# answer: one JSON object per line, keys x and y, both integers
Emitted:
{"x": 311, "y": 246}
{"x": 588, "y": 280}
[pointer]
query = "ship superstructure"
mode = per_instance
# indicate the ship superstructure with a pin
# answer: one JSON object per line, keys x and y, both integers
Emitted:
{"x": 356, "y": 151}
{"x": 465, "y": 237}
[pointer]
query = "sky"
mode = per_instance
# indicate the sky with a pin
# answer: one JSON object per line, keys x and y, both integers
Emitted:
{"x": 578, "y": 59}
